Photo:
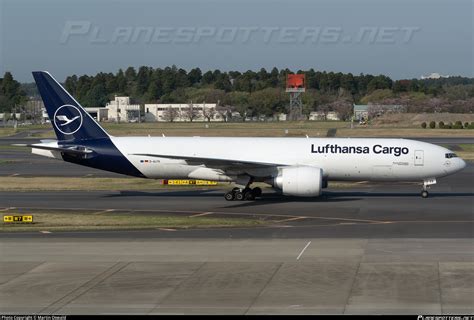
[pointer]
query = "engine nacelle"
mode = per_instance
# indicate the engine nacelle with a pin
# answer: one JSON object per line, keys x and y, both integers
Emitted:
{"x": 301, "y": 181}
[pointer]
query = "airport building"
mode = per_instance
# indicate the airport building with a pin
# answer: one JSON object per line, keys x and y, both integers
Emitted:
{"x": 320, "y": 115}
{"x": 434, "y": 75}
{"x": 360, "y": 111}
{"x": 100, "y": 114}
{"x": 182, "y": 112}
{"x": 119, "y": 110}
{"x": 366, "y": 111}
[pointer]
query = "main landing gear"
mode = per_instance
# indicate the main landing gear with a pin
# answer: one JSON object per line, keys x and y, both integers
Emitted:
{"x": 247, "y": 194}
{"x": 426, "y": 184}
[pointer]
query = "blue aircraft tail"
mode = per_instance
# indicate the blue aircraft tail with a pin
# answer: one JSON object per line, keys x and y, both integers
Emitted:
{"x": 69, "y": 119}
{"x": 81, "y": 139}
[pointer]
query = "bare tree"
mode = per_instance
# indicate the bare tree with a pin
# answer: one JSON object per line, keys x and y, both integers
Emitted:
{"x": 374, "y": 110}
{"x": 343, "y": 107}
{"x": 324, "y": 109}
{"x": 435, "y": 104}
{"x": 170, "y": 114}
{"x": 429, "y": 105}
{"x": 462, "y": 106}
{"x": 224, "y": 112}
{"x": 191, "y": 112}
{"x": 208, "y": 113}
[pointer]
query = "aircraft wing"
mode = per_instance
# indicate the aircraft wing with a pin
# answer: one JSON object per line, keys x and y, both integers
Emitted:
{"x": 213, "y": 162}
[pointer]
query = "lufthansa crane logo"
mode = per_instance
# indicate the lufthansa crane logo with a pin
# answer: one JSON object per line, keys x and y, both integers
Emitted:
{"x": 68, "y": 119}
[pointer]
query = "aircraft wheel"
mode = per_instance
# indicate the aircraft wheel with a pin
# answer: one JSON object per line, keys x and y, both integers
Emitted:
{"x": 249, "y": 195}
{"x": 239, "y": 196}
{"x": 257, "y": 192}
{"x": 229, "y": 196}
{"x": 424, "y": 194}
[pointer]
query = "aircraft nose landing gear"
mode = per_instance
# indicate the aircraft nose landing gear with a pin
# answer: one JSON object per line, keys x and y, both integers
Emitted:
{"x": 426, "y": 184}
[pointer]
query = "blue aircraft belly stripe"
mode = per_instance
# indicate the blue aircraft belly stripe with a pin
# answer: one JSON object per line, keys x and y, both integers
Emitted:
{"x": 106, "y": 157}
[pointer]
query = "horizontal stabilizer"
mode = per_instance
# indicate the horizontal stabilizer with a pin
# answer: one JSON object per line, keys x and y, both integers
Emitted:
{"x": 77, "y": 150}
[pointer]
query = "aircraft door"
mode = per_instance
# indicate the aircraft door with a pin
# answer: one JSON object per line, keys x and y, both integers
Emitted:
{"x": 419, "y": 161}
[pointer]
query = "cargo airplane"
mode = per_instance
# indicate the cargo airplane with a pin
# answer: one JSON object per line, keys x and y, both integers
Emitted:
{"x": 295, "y": 166}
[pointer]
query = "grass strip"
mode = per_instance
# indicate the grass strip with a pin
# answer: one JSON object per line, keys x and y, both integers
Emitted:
{"x": 60, "y": 221}
{"x": 20, "y": 183}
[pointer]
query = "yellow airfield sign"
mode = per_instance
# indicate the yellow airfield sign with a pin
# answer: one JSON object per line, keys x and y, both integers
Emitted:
{"x": 190, "y": 182}
{"x": 22, "y": 219}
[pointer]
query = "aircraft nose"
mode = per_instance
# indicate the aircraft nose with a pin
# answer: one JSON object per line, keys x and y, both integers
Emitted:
{"x": 462, "y": 164}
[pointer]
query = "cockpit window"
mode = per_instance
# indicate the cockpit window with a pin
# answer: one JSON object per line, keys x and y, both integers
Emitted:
{"x": 450, "y": 155}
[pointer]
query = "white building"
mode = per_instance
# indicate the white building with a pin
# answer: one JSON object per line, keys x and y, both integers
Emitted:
{"x": 100, "y": 114}
{"x": 281, "y": 117}
{"x": 181, "y": 112}
{"x": 434, "y": 75}
{"x": 120, "y": 109}
{"x": 371, "y": 110}
{"x": 319, "y": 115}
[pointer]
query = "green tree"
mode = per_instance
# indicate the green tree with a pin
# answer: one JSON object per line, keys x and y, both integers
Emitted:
{"x": 171, "y": 84}
{"x": 240, "y": 100}
{"x": 182, "y": 79}
{"x": 194, "y": 76}
{"x": 111, "y": 84}
{"x": 97, "y": 96}
{"x": 265, "y": 102}
{"x": 208, "y": 77}
{"x": 130, "y": 74}
{"x": 11, "y": 93}
{"x": 121, "y": 82}
{"x": 379, "y": 82}
{"x": 155, "y": 88}
{"x": 223, "y": 82}
{"x": 83, "y": 87}
{"x": 71, "y": 84}
{"x": 143, "y": 81}
{"x": 348, "y": 83}
{"x": 377, "y": 96}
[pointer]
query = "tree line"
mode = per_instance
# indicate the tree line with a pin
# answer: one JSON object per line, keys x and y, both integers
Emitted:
{"x": 253, "y": 93}
{"x": 12, "y": 95}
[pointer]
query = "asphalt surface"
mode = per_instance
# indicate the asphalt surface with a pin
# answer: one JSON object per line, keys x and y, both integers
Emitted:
{"x": 370, "y": 210}
{"x": 236, "y": 276}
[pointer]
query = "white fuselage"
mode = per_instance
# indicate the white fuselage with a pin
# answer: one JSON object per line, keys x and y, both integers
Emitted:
{"x": 340, "y": 158}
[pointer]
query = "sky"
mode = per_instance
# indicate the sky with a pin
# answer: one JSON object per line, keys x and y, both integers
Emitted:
{"x": 399, "y": 38}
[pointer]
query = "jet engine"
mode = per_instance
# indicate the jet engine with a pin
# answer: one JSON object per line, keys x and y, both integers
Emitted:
{"x": 301, "y": 181}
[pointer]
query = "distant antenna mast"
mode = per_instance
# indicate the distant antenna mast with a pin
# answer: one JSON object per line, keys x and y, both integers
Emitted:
{"x": 295, "y": 86}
